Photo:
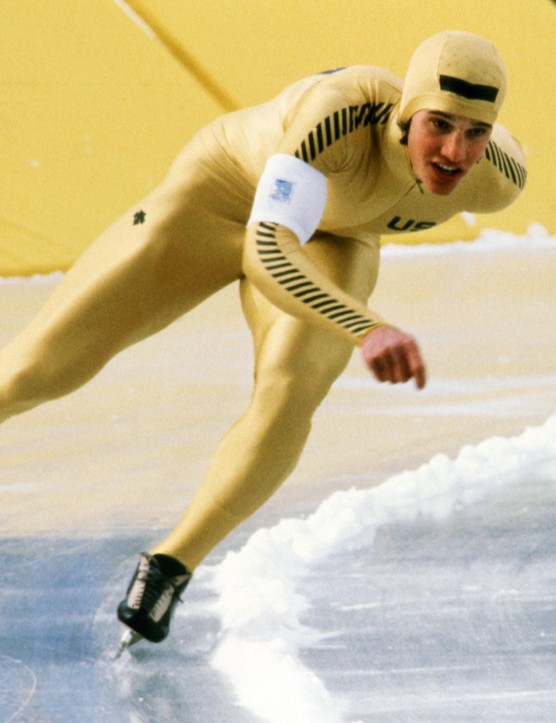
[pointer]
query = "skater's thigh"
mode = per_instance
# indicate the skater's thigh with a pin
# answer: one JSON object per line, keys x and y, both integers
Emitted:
{"x": 156, "y": 262}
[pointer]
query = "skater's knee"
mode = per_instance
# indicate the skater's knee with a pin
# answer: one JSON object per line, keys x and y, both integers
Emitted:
{"x": 20, "y": 391}
{"x": 28, "y": 380}
{"x": 297, "y": 385}
{"x": 17, "y": 394}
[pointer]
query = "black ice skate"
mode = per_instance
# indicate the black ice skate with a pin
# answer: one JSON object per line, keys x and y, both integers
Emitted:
{"x": 151, "y": 597}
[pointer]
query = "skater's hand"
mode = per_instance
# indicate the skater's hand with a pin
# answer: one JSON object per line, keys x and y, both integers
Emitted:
{"x": 393, "y": 356}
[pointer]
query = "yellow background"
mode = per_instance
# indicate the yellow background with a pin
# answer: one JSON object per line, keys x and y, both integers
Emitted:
{"x": 94, "y": 106}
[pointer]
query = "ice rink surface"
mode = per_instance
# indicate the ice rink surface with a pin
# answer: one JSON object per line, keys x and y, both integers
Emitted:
{"x": 406, "y": 572}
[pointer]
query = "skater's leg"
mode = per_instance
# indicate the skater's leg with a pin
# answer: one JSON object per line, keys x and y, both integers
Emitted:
{"x": 295, "y": 366}
{"x": 134, "y": 280}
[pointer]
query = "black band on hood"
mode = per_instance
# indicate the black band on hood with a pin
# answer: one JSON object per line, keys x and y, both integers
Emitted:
{"x": 471, "y": 91}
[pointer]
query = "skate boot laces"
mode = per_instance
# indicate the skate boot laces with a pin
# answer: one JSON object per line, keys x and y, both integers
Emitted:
{"x": 153, "y": 591}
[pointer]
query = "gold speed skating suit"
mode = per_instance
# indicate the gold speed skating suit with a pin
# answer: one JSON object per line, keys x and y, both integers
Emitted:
{"x": 188, "y": 238}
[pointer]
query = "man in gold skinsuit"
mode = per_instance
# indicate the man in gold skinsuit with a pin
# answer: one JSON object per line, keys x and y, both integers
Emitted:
{"x": 289, "y": 198}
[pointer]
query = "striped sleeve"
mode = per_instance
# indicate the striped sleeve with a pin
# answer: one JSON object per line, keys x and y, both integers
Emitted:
{"x": 276, "y": 264}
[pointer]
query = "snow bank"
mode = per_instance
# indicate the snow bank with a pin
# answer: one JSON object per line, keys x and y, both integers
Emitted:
{"x": 260, "y": 608}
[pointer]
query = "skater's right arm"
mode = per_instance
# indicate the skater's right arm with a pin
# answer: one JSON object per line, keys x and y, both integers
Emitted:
{"x": 289, "y": 203}
{"x": 290, "y": 200}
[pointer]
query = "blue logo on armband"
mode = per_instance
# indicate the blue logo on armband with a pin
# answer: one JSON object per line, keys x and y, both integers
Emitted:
{"x": 282, "y": 190}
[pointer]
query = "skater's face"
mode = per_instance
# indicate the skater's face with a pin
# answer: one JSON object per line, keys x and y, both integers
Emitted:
{"x": 443, "y": 148}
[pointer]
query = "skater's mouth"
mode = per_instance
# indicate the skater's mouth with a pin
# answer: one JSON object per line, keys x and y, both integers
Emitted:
{"x": 443, "y": 169}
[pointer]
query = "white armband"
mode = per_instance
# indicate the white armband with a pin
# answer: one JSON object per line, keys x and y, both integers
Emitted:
{"x": 292, "y": 193}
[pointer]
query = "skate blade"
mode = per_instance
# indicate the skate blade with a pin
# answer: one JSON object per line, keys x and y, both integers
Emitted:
{"x": 129, "y": 638}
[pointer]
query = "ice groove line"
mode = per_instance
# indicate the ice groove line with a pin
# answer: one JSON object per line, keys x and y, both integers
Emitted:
{"x": 31, "y": 693}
